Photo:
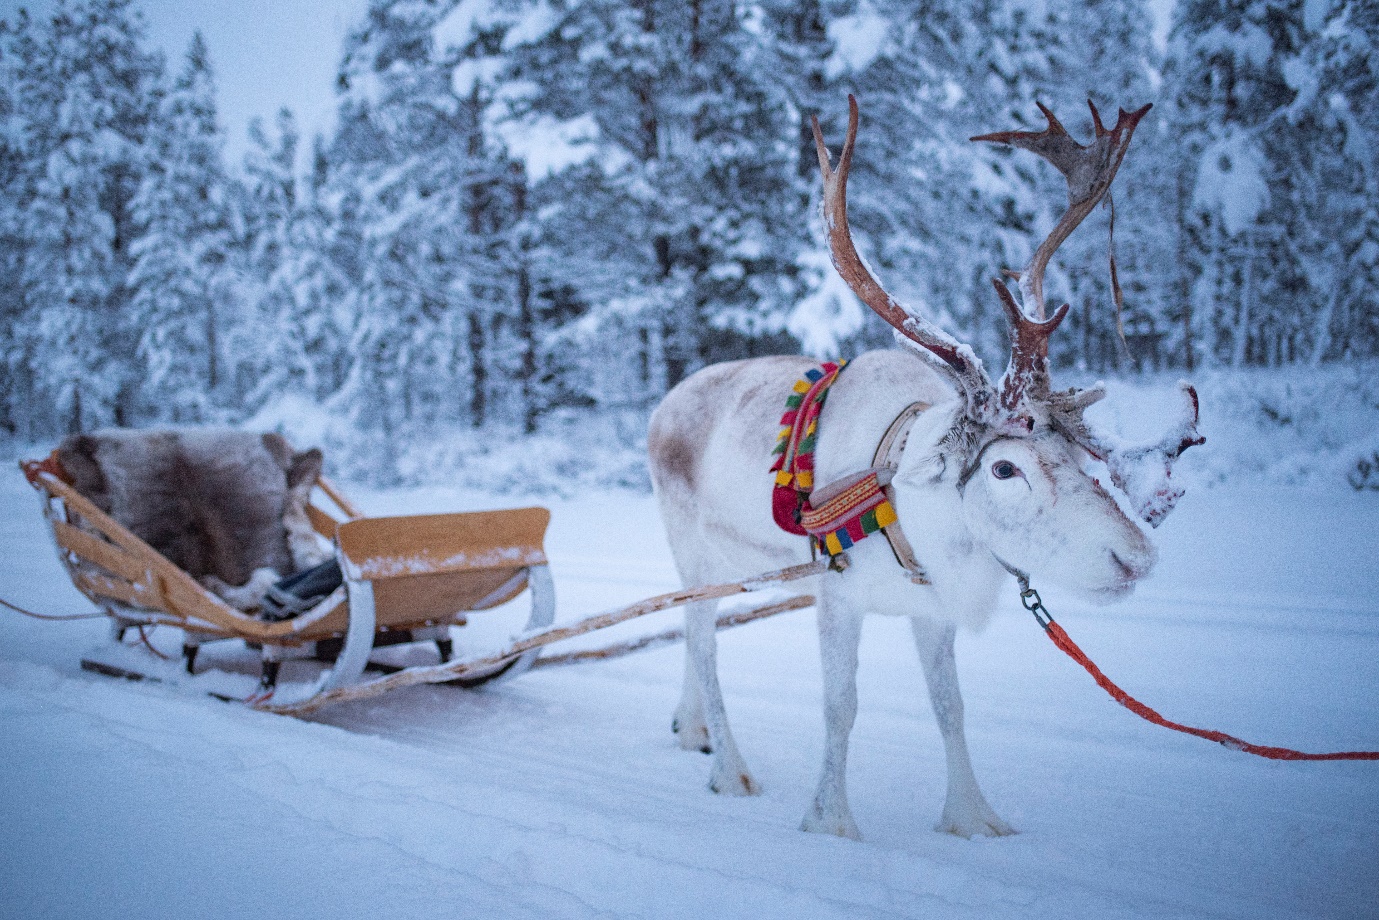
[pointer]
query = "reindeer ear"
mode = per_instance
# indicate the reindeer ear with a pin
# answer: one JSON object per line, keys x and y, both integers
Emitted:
{"x": 1144, "y": 472}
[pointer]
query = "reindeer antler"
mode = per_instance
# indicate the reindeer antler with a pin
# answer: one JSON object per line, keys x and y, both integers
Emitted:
{"x": 1027, "y": 375}
{"x": 1142, "y": 471}
{"x": 956, "y": 356}
{"x": 1089, "y": 171}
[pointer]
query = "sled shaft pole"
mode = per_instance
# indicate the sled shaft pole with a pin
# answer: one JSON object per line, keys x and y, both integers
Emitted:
{"x": 669, "y": 636}
{"x": 442, "y": 673}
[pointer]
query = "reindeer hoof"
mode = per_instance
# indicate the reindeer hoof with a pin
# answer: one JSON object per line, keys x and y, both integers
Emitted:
{"x": 984, "y": 825}
{"x": 839, "y": 826}
{"x": 734, "y": 783}
{"x": 693, "y": 738}
{"x": 692, "y": 734}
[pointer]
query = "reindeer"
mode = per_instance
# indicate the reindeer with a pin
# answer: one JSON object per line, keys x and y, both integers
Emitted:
{"x": 986, "y": 479}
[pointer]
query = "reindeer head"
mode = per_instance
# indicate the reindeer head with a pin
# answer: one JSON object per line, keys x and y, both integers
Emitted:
{"x": 1018, "y": 442}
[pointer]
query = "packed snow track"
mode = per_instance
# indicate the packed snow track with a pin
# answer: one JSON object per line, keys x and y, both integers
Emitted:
{"x": 563, "y": 793}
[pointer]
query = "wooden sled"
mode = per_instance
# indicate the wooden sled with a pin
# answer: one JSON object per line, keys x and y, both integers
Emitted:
{"x": 406, "y": 578}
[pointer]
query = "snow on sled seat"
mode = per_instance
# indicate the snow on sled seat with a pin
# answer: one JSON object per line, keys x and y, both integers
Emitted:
{"x": 143, "y": 518}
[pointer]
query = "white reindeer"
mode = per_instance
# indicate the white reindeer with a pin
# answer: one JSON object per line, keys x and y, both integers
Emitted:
{"x": 987, "y": 479}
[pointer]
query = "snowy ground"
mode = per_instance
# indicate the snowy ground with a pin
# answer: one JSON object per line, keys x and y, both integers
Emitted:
{"x": 562, "y": 794}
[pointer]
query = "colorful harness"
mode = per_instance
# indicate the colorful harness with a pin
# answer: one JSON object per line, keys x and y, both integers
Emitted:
{"x": 846, "y": 511}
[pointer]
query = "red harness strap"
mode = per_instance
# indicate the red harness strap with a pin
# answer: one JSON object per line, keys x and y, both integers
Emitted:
{"x": 1030, "y": 597}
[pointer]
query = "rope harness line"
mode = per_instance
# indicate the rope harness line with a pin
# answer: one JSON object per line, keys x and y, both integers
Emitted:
{"x": 51, "y": 616}
{"x": 1030, "y": 598}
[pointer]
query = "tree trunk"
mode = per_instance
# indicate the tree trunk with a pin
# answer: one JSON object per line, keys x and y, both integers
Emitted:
{"x": 74, "y": 424}
{"x": 1184, "y": 275}
{"x": 478, "y": 369}
{"x": 1321, "y": 338}
{"x": 478, "y": 372}
{"x": 1246, "y": 296}
{"x": 212, "y": 370}
{"x": 526, "y": 331}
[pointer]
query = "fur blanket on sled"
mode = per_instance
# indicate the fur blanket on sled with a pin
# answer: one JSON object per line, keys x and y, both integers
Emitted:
{"x": 227, "y": 507}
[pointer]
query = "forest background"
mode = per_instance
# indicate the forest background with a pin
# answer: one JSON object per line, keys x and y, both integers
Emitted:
{"x": 536, "y": 216}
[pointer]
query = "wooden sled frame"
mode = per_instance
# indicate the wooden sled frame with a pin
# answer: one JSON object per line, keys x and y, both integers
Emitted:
{"x": 418, "y": 574}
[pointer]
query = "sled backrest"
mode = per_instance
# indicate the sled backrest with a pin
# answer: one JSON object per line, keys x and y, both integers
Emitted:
{"x": 425, "y": 569}
{"x": 113, "y": 566}
{"x": 158, "y": 483}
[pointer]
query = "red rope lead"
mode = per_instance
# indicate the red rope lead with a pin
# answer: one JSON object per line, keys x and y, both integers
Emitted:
{"x": 1030, "y": 598}
{"x": 1065, "y": 642}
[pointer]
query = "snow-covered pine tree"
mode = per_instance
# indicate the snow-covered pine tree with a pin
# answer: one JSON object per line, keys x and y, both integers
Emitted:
{"x": 493, "y": 280}
{"x": 18, "y": 51}
{"x": 411, "y": 157}
{"x": 737, "y": 150}
{"x": 179, "y": 289}
{"x": 312, "y": 282}
{"x": 906, "y": 203}
{"x": 945, "y": 215}
{"x": 86, "y": 120}
{"x": 696, "y": 157}
{"x": 796, "y": 46}
{"x": 1227, "y": 84}
{"x": 1334, "y": 172}
{"x": 292, "y": 340}
{"x": 1110, "y": 60}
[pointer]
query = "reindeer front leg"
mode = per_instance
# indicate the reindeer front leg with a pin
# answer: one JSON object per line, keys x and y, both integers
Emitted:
{"x": 730, "y": 775}
{"x": 840, "y": 631}
{"x": 965, "y": 811}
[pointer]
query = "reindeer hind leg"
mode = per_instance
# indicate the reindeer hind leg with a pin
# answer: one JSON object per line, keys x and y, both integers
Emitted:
{"x": 688, "y": 724}
{"x": 729, "y": 774}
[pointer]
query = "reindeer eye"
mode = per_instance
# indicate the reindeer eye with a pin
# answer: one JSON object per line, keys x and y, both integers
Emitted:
{"x": 1004, "y": 469}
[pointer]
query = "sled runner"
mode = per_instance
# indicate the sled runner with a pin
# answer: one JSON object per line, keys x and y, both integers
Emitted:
{"x": 229, "y": 505}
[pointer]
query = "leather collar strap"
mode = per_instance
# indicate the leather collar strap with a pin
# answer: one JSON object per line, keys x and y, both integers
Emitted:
{"x": 887, "y": 458}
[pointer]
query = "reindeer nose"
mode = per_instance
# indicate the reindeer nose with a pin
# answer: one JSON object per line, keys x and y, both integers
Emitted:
{"x": 1135, "y": 567}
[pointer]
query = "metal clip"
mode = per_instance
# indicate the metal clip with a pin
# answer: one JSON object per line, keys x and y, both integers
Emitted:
{"x": 1030, "y": 598}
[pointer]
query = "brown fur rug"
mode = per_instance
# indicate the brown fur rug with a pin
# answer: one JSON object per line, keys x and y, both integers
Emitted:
{"x": 220, "y": 505}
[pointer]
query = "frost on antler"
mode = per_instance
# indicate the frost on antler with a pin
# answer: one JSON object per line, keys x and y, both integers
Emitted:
{"x": 1143, "y": 471}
